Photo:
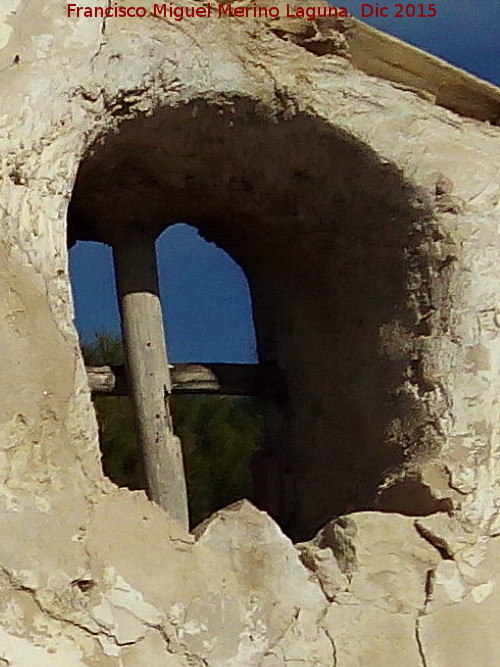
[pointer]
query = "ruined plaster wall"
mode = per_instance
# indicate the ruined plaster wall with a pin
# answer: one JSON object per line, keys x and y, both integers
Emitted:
{"x": 93, "y": 576}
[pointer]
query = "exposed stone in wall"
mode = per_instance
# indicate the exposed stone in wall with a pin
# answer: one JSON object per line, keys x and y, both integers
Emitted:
{"x": 366, "y": 218}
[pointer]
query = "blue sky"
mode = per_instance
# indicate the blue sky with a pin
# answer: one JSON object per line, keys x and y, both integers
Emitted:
{"x": 205, "y": 297}
{"x": 204, "y": 293}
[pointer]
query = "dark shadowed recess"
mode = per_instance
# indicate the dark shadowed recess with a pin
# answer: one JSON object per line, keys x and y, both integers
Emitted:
{"x": 321, "y": 226}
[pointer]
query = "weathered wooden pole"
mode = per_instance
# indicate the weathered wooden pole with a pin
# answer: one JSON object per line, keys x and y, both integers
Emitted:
{"x": 148, "y": 371}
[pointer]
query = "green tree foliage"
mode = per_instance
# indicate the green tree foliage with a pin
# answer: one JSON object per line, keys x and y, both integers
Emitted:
{"x": 219, "y": 435}
{"x": 121, "y": 458}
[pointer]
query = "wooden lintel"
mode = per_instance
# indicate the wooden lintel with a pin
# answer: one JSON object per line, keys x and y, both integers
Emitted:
{"x": 228, "y": 379}
{"x": 387, "y": 57}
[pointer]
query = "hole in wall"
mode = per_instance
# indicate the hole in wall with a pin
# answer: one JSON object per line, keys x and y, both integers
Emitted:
{"x": 322, "y": 227}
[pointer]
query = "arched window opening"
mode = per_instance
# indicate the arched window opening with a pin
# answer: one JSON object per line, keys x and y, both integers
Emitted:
{"x": 325, "y": 231}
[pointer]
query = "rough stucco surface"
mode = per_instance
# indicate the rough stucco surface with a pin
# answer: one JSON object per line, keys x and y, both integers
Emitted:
{"x": 91, "y": 575}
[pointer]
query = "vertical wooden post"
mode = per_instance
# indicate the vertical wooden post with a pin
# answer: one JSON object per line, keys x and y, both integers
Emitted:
{"x": 148, "y": 371}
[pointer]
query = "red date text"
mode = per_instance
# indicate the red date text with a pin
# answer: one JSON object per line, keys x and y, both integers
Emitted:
{"x": 376, "y": 10}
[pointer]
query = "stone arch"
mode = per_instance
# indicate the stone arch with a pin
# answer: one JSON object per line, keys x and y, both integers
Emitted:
{"x": 322, "y": 227}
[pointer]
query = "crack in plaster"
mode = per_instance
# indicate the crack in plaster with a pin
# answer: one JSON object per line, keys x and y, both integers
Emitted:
{"x": 435, "y": 541}
{"x": 420, "y": 643}
{"x": 429, "y": 581}
{"x": 332, "y": 642}
{"x": 181, "y": 649}
{"x": 103, "y": 34}
{"x": 270, "y": 649}
{"x": 87, "y": 631}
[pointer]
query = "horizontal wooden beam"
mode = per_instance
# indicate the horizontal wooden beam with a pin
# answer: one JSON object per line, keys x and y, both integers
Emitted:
{"x": 109, "y": 380}
{"x": 410, "y": 68}
{"x": 227, "y": 379}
